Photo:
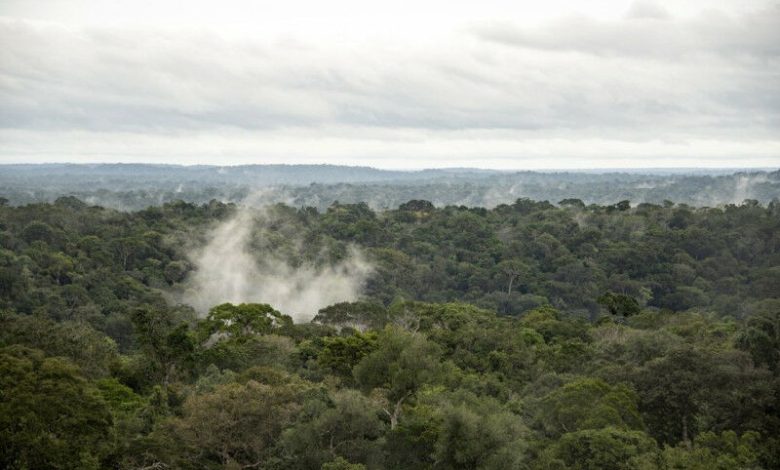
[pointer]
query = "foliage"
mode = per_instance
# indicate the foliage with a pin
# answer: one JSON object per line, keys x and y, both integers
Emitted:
{"x": 524, "y": 336}
{"x": 50, "y": 415}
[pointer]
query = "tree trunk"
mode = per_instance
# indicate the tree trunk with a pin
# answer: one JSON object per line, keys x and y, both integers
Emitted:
{"x": 396, "y": 411}
{"x": 685, "y": 432}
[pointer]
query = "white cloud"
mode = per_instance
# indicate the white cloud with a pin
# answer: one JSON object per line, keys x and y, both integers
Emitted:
{"x": 227, "y": 270}
{"x": 642, "y": 84}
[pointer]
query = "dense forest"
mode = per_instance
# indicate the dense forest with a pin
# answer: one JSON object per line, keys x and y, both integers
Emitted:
{"x": 530, "y": 335}
{"x": 137, "y": 186}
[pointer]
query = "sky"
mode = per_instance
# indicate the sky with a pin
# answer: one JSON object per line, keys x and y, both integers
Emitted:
{"x": 503, "y": 84}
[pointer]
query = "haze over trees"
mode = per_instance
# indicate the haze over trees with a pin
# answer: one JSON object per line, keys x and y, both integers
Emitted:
{"x": 531, "y": 335}
{"x": 137, "y": 186}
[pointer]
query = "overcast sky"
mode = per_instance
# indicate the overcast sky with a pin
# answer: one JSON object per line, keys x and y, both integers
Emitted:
{"x": 402, "y": 84}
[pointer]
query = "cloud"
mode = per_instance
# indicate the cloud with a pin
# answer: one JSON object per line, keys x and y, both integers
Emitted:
{"x": 711, "y": 33}
{"x": 647, "y": 10}
{"x": 498, "y": 89}
{"x": 228, "y": 270}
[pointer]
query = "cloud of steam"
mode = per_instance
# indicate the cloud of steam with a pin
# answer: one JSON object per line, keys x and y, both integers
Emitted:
{"x": 227, "y": 271}
{"x": 745, "y": 185}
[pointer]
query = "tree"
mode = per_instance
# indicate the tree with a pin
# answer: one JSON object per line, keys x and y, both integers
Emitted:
{"x": 588, "y": 404}
{"x": 416, "y": 205}
{"x": 761, "y": 338}
{"x": 692, "y": 390}
{"x": 553, "y": 326}
{"x": 38, "y": 231}
{"x": 128, "y": 250}
{"x": 599, "y": 449}
{"x": 671, "y": 389}
{"x": 479, "y": 436}
{"x": 167, "y": 343}
{"x": 619, "y": 304}
{"x": 235, "y": 424}
{"x": 175, "y": 271}
{"x": 711, "y": 451}
{"x": 91, "y": 350}
{"x": 358, "y": 315}
{"x": 348, "y": 427}
{"x": 513, "y": 270}
{"x": 341, "y": 353}
{"x": 402, "y": 363}
{"x": 244, "y": 319}
{"x": 341, "y": 464}
{"x": 572, "y": 202}
{"x": 50, "y": 416}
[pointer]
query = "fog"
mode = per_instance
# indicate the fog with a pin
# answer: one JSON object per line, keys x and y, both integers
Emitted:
{"x": 745, "y": 187}
{"x": 227, "y": 270}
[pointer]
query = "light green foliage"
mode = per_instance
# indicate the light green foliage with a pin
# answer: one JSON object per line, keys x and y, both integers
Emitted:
{"x": 245, "y": 319}
{"x": 79, "y": 342}
{"x": 589, "y": 404}
{"x": 120, "y": 398}
{"x": 248, "y": 351}
{"x": 553, "y": 327}
{"x": 340, "y": 464}
{"x": 710, "y": 451}
{"x": 599, "y": 449}
{"x": 236, "y": 337}
{"x": 402, "y": 363}
{"x": 480, "y": 436}
{"x": 358, "y": 315}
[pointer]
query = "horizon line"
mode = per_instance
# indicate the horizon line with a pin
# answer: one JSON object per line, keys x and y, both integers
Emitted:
{"x": 411, "y": 170}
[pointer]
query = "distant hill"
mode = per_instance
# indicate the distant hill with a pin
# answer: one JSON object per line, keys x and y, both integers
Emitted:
{"x": 145, "y": 174}
{"x": 135, "y": 186}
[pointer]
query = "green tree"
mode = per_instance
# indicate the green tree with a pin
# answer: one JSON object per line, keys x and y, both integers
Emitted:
{"x": 341, "y": 353}
{"x": 168, "y": 343}
{"x": 50, "y": 416}
{"x": 711, "y": 451}
{"x": 339, "y": 463}
{"x": 348, "y": 427}
{"x": 244, "y": 319}
{"x": 619, "y": 304}
{"x": 589, "y": 403}
{"x": 599, "y": 449}
{"x": 358, "y": 315}
{"x": 761, "y": 338}
{"x": 401, "y": 364}
{"x": 234, "y": 425}
{"x": 474, "y": 436}
{"x": 91, "y": 350}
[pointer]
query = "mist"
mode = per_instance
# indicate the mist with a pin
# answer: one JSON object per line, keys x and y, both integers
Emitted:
{"x": 227, "y": 270}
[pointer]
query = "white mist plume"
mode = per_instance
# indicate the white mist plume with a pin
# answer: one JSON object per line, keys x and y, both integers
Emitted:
{"x": 743, "y": 188}
{"x": 228, "y": 272}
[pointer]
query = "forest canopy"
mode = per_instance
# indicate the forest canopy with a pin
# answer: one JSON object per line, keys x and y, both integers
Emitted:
{"x": 531, "y": 335}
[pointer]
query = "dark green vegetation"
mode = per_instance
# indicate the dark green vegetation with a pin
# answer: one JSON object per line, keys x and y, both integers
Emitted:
{"x": 530, "y": 336}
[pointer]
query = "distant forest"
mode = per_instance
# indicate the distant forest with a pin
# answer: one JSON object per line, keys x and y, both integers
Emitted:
{"x": 137, "y": 186}
{"x": 530, "y": 335}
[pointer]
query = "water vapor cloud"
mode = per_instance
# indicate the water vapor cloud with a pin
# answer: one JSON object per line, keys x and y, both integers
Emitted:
{"x": 227, "y": 270}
